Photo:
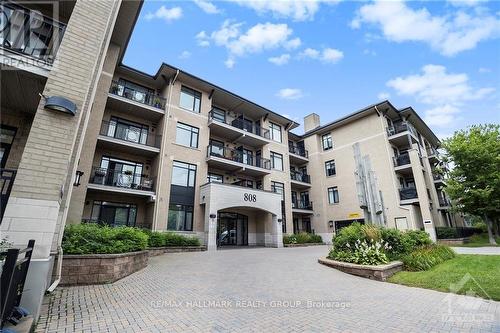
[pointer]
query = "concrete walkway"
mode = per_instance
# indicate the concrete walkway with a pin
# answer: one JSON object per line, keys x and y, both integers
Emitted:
{"x": 489, "y": 250}
{"x": 259, "y": 290}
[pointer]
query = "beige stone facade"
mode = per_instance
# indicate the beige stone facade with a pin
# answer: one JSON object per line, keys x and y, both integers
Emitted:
{"x": 151, "y": 151}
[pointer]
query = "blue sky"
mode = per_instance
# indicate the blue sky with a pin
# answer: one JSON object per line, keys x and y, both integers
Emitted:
{"x": 334, "y": 57}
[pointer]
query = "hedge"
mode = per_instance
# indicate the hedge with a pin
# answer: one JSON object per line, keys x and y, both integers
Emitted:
{"x": 427, "y": 257}
{"x": 302, "y": 238}
{"x": 460, "y": 232}
{"x": 91, "y": 238}
{"x": 162, "y": 239}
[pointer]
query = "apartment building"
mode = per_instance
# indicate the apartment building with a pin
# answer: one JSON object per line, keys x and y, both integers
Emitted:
{"x": 173, "y": 152}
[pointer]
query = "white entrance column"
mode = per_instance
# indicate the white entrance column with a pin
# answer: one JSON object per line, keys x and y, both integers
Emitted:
{"x": 276, "y": 232}
{"x": 210, "y": 228}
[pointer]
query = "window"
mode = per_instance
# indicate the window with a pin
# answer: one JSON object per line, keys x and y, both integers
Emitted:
{"x": 333, "y": 195}
{"x": 214, "y": 178}
{"x": 327, "y": 141}
{"x": 330, "y": 168}
{"x": 190, "y": 99}
{"x": 180, "y": 218}
{"x": 219, "y": 115}
{"x": 183, "y": 174}
{"x": 187, "y": 135}
{"x": 216, "y": 148}
{"x": 276, "y": 161}
{"x": 277, "y": 187}
{"x": 135, "y": 92}
{"x": 275, "y": 132}
{"x": 127, "y": 130}
{"x": 7, "y": 135}
{"x": 114, "y": 214}
{"x": 120, "y": 173}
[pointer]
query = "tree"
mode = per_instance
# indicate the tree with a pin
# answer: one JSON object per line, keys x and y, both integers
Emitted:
{"x": 474, "y": 178}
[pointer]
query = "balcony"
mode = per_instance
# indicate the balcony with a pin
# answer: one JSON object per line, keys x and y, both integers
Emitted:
{"x": 408, "y": 195}
{"x": 298, "y": 155}
{"x": 132, "y": 101}
{"x": 402, "y": 163}
{"x": 433, "y": 155}
{"x": 235, "y": 160}
{"x": 438, "y": 179}
{"x": 7, "y": 177}
{"x": 28, "y": 38}
{"x": 300, "y": 180}
{"x": 121, "y": 182}
{"x": 238, "y": 130}
{"x": 444, "y": 203}
{"x": 120, "y": 137}
{"x": 301, "y": 206}
{"x": 399, "y": 132}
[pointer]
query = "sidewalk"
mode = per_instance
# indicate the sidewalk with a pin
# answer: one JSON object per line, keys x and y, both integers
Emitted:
{"x": 489, "y": 250}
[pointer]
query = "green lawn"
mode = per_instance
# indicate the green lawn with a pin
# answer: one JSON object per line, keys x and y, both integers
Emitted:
{"x": 480, "y": 240}
{"x": 484, "y": 269}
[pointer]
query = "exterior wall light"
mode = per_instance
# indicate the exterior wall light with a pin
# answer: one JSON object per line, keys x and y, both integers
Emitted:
{"x": 61, "y": 104}
{"x": 212, "y": 216}
{"x": 78, "y": 177}
{"x": 280, "y": 220}
{"x": 330, "y": 224}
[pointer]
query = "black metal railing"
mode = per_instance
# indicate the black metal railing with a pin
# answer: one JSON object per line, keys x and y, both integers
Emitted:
{"x": 300, "y": 177}
{"x": 238, "y": 156}
{"x": 7, "y": 177}
{"x": 407, "y": 193}
{"x": 140, "y": 96}
{"x": 298, "y": 151}
{"x": 14, "y": 271}
{"x": 29, "y": 32}
{"x": 437, "y": 177}
{"x": 301, "y": 204}
{"x": 130, "y": 134}
{"x": 242, "y": 125}
{"x": 444, "y": 202}
{"x": 123, "y": 179}
{"x": 401, "y": 127}
{"x": 402, "y": 159}
{"x": 101, "y": 222}
{"x": 431, "y": 151}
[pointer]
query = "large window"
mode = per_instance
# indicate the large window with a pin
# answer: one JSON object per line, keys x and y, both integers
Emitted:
{"x": 180, "y": 218}
{"x": 333, "y": 195}
{"x": 121, "y": 173}
{"x": 330, "y": 168}
{"x": 277, "y": 187}
{"x": 219, "y": 115}
{"x": 276, "y": 161}
{"x": 127, "y": 130}
{"x": 327, "y": 141}
{"x": 214, "y": 178}
{"x": 275, "y": 132}
{"x": 190, "y": 99}
{"x": 114, "y": 214}
{"x": 183, "y": 174}
{"x": 187, "y": 135}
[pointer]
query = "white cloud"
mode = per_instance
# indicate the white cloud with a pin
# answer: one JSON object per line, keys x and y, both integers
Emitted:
{"x": 207, "y": 6}
{"x": 166, "y": 14}
{"x": 449, "y": 35}
{"x": 257, "y": 39}
{"x": 185, "y": 55}
{"x": 444, "y": 92}
{"x": 298, "y": 10}
{"x": 280, "y": 60}
{"x": 229, "y": 63}
{"x": 327, "y": 55}
{"x": 383, "y": 96}
{"x": 484, "y": 70}
{"x": 290, "y": 93}
{"x": 466, "y": 3}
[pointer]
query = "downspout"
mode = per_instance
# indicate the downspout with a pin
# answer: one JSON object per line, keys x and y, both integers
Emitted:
{"x": 163, "y": 147}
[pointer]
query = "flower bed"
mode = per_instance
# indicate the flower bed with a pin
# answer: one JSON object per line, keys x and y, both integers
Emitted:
{"x": 357, "y": 249}
{"x": 302, "y": 238}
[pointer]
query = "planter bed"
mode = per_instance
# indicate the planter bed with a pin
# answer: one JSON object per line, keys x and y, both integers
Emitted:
{"x": 379, "y": 272}
{"x": 100, "y": 268}
{"x": 454, "y": 241}
{"x": 156, "y": 251}
{"x": 303, "y": 244}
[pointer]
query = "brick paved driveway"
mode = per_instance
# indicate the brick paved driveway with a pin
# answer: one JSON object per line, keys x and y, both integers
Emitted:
{"x": 245, "y": 288}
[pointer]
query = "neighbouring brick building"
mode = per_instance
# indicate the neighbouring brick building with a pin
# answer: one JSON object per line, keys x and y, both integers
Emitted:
{"x": 174, "y": 152}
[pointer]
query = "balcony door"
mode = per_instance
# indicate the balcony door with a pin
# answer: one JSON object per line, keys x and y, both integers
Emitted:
{"x": 114, "y": 214}
{"x": 243, "y": 123}
{"x": 127, "y": 130}
{"x": 122, "y": 173}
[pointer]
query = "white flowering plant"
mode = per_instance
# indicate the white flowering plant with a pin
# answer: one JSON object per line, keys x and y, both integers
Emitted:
{"x": 363, "y": 252}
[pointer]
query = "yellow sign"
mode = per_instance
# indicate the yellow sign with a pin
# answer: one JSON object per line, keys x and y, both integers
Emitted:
{"x": 354, "y": 215}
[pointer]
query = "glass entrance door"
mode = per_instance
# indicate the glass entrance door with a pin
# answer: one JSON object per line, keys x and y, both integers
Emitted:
{"x": 232, "y": 229}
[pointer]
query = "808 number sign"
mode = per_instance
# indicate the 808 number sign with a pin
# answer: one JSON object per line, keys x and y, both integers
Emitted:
{"x": 250, "y": 197}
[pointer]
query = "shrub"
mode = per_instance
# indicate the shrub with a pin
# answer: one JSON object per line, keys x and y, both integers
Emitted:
{"x": 173, "y": 239}
{"x": 302, "y": 238}
{"x": 94, "y": 239}
{"x": 451, "y": 232}
{"x": 362, "y": 252}
{"x": 427, "y": 257}
{"x": 156, "y": 239}
{"x": 348, "y": 235}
